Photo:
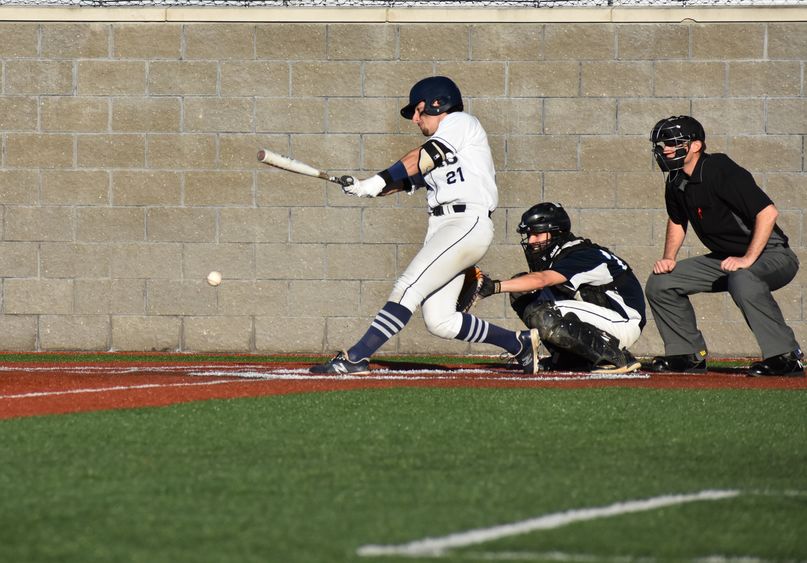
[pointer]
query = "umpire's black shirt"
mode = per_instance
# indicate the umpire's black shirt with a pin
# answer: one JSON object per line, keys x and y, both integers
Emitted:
{"x": 721, "y": 201}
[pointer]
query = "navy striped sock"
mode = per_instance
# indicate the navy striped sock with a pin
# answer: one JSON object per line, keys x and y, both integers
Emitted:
{"x": 476, "y": 330}
{"x": 387, "y": 323}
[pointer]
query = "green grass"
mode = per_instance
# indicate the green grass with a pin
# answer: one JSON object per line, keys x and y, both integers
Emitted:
{"x": 312, "y": 477}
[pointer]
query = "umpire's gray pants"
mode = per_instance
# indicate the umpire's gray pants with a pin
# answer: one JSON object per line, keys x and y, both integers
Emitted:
{"x": 668, "y": 297}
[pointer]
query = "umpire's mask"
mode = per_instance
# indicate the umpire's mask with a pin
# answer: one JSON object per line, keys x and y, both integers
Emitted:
{"x": 679, "y": 132}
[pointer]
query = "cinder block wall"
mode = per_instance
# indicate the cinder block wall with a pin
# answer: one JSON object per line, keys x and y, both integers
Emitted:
{"x": 129, "y": 171}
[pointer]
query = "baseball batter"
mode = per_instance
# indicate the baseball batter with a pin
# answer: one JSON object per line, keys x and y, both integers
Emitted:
{"x": 455, "y": 166}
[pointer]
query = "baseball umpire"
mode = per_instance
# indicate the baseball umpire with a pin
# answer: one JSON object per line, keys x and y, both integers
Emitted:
{"x": 455, "y": 165}
{"x": 749, "y": 254}
{"x": 584, "y": 300}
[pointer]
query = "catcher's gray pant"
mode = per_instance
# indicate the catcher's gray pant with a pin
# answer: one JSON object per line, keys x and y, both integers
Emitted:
{"x": 668, "y": 296}
{"x": 434, "y": 277}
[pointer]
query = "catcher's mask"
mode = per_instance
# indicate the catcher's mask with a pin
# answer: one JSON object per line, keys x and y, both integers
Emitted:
{"x": 440, "y": 94}
{"x": 679, "y": 132}
{"x": 544, "y": 218}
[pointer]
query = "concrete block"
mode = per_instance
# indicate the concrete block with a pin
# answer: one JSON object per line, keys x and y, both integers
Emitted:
{"x": 74, "y": 332}
{"x": 607, "y": 227}
{"x": 489, "y": 77}
{"x": 365, "y": 42}
{"x": 289, "y": 334}
{"x": 147, "y": 40}
{"x": 254, "y": 298}
{"x": 234, "y": 261}
{"x": 578, "y": 116}
{"x": 503, "y": 42}
{"x": 102, "y": 297}
{"x": 433, "y": 42}
{"x": 33, "y": 150}
{"x": 699, "y": 79}
{"x": 75, "y": 187}
{"x": 652, "y": 41}
{"x": 290, "y": 41}
{"x": 214, "y": 188}
{"x": 111, "y": 151}
{"x": 331, "y": 152}
{"x": 145, "y": 115}
{"x": 39, "y": 224}
{"x": 19, "y": 259}
{"x": 544, "y": 79}
{"x": 111, "y": 78}
{"x": 38, "y": 77}
{"x": 520, "y": 190}
{"x": 640, "y": 190}
{"x": 788, "y": 116}
{"x": 764, "y": 78}
{"x": 19, "y": 187}
{"x": 380, "y": 115}
{"x": 146, "y": 187}
{"x": 146, "y": 334}
{"x": 375, "y": 262}
{"x": 19, "y": 40}
{"x": 261, "y": 224}
{"x": 146, "y": 260}
{"x": 542, "y": 152}
{"x": 616, "y": 78}
{"x": 332, "y": 298}
{"x": 509, "y": 116}
{"x": 255, "y": 78}
{"x": 181, "y": 151}
{"x": 72, "y": 260}
{"x": 175, "y": 297}
{"x": 18, "y": 332}
{"x": 181, "y": 225}
{"x": 325, "y": 79}
{"x": 786, "y": 189}
{"x": 278, "y": 188}
{"x": 726, "y": 41}
{"x": 18, "y": 113}
{"x": 392, "y": 79}
{"x": 219, "y": 41}
{"x": 580, "y": 189}
{"x": 107, "y": 224}
{"x": 580, "y": 41}
{"x": 290, "y": 261}
{"x": 182, "y": 78}
{"x": 217, "y": 334}
{"x": 218, "y": 114}
{"x": 393, "y": 226}
{"x": 760, "y": 153}
{"x": 75, "y": 40}
{"x": 596, "y": 153}
{"x": 339, "y": 225}
{"x": 638, "y": 116}
{"x": 287, "y": 115}
{"x": 31, "y": 296}
{"x": 787, "y": 40}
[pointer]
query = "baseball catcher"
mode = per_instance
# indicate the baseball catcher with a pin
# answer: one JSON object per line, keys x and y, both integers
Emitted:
{"x": 584, "y": 300}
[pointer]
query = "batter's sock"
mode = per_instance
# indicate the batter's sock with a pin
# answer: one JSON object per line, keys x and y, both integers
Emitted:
{"x": 387, "y": 323}
{"x": 476, "y": 330}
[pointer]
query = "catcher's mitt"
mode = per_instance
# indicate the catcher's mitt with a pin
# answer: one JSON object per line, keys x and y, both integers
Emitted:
{"x": 469, "y": 294}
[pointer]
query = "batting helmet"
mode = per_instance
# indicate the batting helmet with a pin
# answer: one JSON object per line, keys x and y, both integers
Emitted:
{"x": 439, "y": 93}
{"x": 676, "y": 131}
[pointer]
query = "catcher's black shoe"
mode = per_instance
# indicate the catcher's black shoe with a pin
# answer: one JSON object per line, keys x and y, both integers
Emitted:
{"x": 527, "y": 356}
{"x": 783, "y": 365}
{"x": 629, "y": 363}
{"x": 341, "y": 364}
{"x": 683, "y": 363}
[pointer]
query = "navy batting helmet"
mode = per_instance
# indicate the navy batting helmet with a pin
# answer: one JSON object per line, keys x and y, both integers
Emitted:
{"x": 439, "y": 93}
{"x": 676, "y": 131}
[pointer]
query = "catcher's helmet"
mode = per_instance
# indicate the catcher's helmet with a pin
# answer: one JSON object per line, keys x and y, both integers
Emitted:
{"x": 544, "y": 218}
{"x": 439, "y": 93}
{"x": 676, "y": 131}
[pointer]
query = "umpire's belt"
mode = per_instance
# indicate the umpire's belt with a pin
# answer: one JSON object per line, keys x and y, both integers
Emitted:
{"x": 450, "y": 209}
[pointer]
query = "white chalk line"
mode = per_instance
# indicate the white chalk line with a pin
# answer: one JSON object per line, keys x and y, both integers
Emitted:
{"x": 240, "y": 374}
{"x": 437, "y": 547}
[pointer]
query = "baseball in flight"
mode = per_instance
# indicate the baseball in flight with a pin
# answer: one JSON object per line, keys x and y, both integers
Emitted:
{"x": 214, "y": 278}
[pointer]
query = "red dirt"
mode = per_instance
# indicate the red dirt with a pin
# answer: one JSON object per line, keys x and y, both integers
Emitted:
{"x": 40, "y": 389}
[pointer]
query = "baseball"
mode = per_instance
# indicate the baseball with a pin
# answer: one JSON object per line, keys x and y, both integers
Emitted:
{"x": 214, "y": 278}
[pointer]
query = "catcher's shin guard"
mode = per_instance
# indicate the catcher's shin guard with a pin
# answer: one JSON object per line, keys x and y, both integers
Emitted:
{"x": 569, "y": 333}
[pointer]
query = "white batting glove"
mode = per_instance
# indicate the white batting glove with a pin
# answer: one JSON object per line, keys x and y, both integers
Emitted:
{"x": 370, "y": 187}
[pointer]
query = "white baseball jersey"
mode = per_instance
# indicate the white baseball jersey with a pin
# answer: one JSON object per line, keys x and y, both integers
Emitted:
{"x": 468, "y": 175}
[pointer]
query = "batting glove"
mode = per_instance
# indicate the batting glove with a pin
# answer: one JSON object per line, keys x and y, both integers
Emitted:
{"x": 370, "y": 187}
{"x": 489, "y": 286}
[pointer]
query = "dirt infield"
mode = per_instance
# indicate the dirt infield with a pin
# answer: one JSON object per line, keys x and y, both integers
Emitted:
{"x": 31, "y": 389}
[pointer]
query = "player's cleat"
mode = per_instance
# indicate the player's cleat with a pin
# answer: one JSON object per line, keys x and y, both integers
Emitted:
{"x": 627, "y": 365}
{"x": 683, "y": 363}
{"x": 783, "y": 365}
{"x": 527, "y": 356}
{"x": 341, "y": 364}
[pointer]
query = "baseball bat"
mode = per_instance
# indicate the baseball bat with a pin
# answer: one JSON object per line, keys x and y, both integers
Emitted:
{"x": 285, "y": 163}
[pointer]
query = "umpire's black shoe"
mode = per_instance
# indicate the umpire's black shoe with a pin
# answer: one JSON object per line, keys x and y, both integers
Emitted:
{"x": 527, "y": 356}
{"x": 783, "y": 365}
{"x": 341, "y": 364}
{"x": 683, "y": 363}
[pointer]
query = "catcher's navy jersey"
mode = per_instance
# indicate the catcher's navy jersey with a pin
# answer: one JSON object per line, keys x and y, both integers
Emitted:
{"x": 595, "y": 266}
{"x": 468, "y": 175}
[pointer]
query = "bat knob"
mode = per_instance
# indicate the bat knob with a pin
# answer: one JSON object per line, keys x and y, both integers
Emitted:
{"x": 347, "y": 181}
{"x": 261, "y": 155}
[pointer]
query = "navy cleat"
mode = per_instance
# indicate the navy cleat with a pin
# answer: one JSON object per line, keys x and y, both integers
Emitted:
{"x": 341, "y": 364}
{"x": 527, "y": 356}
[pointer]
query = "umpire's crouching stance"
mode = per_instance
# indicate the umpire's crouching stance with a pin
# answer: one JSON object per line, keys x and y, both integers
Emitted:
{"x": 749, "y": 257}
